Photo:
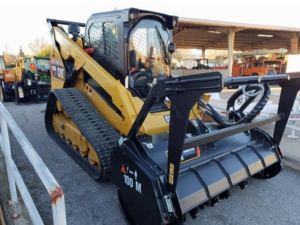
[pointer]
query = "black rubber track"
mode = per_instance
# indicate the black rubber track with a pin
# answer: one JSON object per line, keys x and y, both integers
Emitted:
{"x": 100, "y": 134}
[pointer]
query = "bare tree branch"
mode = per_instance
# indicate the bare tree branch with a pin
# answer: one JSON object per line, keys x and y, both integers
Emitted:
{"x": 38, "y": 45}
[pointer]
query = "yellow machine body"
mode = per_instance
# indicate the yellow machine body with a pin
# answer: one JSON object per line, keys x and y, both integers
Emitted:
{"x": 128, "y": 105}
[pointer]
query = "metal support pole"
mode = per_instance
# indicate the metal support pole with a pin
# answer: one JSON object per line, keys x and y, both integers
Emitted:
{"x": 294, "y": 44}
{"x": 203, "y": 53}
{"x": 7, "y": 154}
{"x": 231, "y": 36}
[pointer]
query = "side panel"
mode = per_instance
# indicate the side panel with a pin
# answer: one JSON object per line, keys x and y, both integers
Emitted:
{"x": 57, "y": 69}
{"x": 139, "y": 188}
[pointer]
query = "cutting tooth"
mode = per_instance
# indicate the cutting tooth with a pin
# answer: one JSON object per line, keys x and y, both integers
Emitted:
{"x": 224, "y": 195}
{"x": 243, "y": 184}
{"x": 195, "y": 213}
{"x": 212, "y": 202}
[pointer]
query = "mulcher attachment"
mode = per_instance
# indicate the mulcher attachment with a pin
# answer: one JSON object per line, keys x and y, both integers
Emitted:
{"x": 156, "y": 185}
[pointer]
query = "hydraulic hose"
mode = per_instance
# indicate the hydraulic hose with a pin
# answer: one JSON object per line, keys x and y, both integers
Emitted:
{"x": 230, "y": 104}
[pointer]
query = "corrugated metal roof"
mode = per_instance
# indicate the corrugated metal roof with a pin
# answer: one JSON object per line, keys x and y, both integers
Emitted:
{"x": 210, "y": 34}
{"x": 184, "y": 20}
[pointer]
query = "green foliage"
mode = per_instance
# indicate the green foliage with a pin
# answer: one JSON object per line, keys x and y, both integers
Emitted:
{"x": 38, "y": 45}
{"x": 45, "y": 51}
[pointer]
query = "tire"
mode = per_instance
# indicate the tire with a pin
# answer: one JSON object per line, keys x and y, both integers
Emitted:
{"x": 254, "y": 74}
{"x": 4, "y": 97}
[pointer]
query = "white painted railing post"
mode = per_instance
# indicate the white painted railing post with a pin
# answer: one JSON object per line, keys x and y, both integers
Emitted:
{"x": 7, "y": 154}
{"x": 59, "y": 211}
{"x": 15, "y": 179}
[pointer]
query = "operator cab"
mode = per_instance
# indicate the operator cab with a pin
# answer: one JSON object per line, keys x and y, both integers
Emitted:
{"x": 133, "y": 45}
{"x": 150, "y": 47}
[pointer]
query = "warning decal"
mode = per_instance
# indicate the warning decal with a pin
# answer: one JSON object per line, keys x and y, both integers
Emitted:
{"x": 57, "y": 70}
{"x": 171, "y": 175}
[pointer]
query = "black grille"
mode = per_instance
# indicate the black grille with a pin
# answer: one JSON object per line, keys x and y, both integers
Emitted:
{"x": 103, "y": 37}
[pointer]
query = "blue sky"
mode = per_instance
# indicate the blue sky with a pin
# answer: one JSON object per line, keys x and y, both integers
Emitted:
{"x": 21, "y": 21}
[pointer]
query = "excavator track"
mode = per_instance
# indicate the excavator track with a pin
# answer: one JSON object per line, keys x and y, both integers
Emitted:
{"x": 98, "y": 132}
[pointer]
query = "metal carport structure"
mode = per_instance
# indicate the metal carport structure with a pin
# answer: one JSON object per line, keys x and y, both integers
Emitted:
{"x": 209, "y": 34}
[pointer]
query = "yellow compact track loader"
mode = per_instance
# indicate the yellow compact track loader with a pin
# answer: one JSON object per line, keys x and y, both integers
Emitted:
{"x": 116, "y": 109}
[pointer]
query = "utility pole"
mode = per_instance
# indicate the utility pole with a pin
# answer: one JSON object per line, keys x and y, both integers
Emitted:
{"x": 6, "y": 48}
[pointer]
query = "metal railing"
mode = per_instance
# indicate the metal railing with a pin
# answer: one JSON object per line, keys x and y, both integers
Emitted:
{"x": 15, "y": 179}
{"x": 294, "y": 117}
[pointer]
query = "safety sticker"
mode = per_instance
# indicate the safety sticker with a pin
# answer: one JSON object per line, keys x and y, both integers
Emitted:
{"x": 131, "y": 178}
{"x": 169, "y": 203}
{"x": 57, "y": 70}
{"x": 171, "y": 174}
{"x": 54, "y": 62}
{"x": 195, "y": 123}
{"x": 21, "y": 93}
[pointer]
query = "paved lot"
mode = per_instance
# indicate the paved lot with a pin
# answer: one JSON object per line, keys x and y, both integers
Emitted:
{"x": 275, "y": 201}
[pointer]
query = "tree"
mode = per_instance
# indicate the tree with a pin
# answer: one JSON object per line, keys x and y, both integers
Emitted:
{"x": 21, "y": 53}
{"x": 45, "y": 51}
{"x": 38, "y": 45}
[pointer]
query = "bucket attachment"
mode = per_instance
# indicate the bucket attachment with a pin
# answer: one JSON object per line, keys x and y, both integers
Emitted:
{"x": 161, "y": 178}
